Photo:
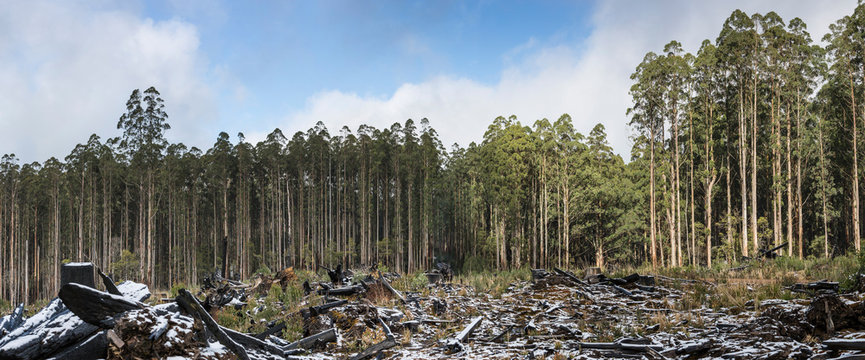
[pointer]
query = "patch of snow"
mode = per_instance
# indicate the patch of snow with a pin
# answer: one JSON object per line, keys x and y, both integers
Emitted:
{"x": 78, "y": 264}
{"x": 133, "y": 290}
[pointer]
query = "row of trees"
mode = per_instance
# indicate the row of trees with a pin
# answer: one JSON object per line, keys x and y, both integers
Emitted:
{"x": 749, "y": 143}
{"x": 762, "y": 124}
{"x": 164, "y": 213}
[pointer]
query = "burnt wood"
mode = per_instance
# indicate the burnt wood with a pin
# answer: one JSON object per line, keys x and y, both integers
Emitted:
{"x": 312, "y": 341}
{"x": 109, "y": 283}
{"x": 191, "y": 305}
{"x": 95, "y": 307}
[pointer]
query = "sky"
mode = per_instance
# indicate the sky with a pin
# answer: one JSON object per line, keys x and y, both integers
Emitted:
{"x": 68, "y": 67}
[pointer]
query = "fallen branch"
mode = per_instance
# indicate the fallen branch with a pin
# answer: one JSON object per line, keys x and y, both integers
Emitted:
{"x": 247, "y": 341}
{"x": 191, "y": 305}
{"x": 455, "y": 344}
{"x": 342, "y": 291}
{"x": 276, "y": 328}
{"x": 568, "y": 275}
{"x": 501, "y": 334}
{"x": 312, "y": 341}
{"x": 371, "y": 351}
{"x": 321, "y": 309}
{"x": 621, "y": 345}
{"x": 844, "y": 344}
{"x": 392, "y": 290}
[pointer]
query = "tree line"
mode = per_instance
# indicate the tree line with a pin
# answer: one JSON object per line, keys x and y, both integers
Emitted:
{"x": 748, "y": 143}
{"x": 753, "y": 141}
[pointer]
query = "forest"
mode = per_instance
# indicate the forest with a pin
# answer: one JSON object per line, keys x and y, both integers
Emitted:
{"x": 749, "y": 142}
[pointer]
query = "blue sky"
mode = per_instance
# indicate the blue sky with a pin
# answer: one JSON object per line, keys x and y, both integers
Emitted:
{"x": 282, "y": 52}
{"x": 67, "y": 67}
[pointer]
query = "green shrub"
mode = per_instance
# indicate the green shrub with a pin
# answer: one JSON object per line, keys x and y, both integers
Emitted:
{"x": 175, "y": 289}
{"x": 126, "y": 268}
{"x": 264, "y": 270}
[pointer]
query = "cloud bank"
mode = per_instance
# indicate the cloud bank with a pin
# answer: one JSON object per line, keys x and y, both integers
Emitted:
{"x": 589, "y": 81}
{"x": 67, "y": 69}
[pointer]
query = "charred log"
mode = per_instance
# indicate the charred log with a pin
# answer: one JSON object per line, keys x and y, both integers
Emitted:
{"x": 95, "y": 307}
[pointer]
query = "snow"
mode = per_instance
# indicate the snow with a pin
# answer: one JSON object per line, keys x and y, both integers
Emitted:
{"x": 42, "y": 332}
{"x": 133, "y": 290}
{"x": 78, "y": 264}
{"x": 10, "y": 322}
{"x": 235, "y": 302}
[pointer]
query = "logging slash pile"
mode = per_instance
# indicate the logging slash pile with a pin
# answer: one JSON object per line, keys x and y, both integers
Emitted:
{"x": 362, "y": 315}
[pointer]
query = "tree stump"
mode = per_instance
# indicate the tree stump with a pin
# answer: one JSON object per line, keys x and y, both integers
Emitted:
{"x": 80, "y": 273}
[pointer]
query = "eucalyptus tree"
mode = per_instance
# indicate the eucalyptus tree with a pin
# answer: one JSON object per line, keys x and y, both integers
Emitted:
{"x": 706, "y": 73}
{"x": 736, "y": 45}
{"x": 675, "y": 74}
{"x": 144, "y": 124}
{"x": 846, "y": 47}
{"x": 806, "y": 65}
{"x": 647, "y": 116}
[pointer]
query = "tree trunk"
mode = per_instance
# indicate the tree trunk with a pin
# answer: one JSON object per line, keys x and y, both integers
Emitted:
{"x": 652, "y": 199}
{"x": 743, "y": 160}
{"x": 855, "y": 175}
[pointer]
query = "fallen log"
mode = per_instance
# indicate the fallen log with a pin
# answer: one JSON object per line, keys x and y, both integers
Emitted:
{"x": 95, "y": 347}
{"x": 501, "y": 334}
{"x": 770, "y": 254}
{"x": 395, "y": 292}
{"x": 321, "y": 309}
{"x": 342, "y": 291}
{"x": 849, "y": 357}
{"x": 95, "y": 307}
{"x": 455, "y": 344}
{"x": 621, "y": 345}
{"x": 813, "y": 287}
{"x": 568, "y": 275}
{"x": 375, "y": 349}
{"x": 276, "y": 328}
{"x": 53, "y": 328}
{"x": 312, "y": 341}
{"x": 473, "y": 325}
{"x": 844, "y": 344}
{"x": 436, "y": 321}
{"x": 191, "y": 305}
{"x": 621, "y": 290}
{"x": 692, "y": 347}
{"x": 252, "y": 342}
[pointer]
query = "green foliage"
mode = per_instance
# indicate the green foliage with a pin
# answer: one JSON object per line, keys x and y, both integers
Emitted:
{"x": 175, "y": 289}
{"x": 264, "y": 270}
{"x": 416, "y": 281}
{"x": 475, "y": 264}
{"x": 493, "y": 283}
{"x": 230, "y": 318}
{"x": 126, "y": 268}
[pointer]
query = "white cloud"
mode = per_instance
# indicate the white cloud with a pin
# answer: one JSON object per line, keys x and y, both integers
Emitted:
{"x": 589, "y": 81}
{"x": 66, "y": 70}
